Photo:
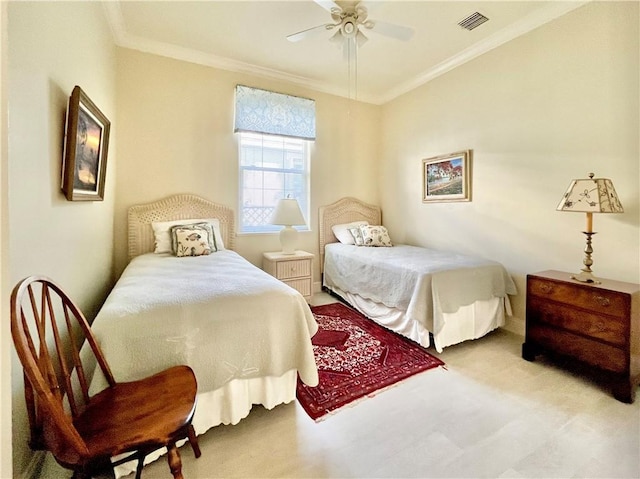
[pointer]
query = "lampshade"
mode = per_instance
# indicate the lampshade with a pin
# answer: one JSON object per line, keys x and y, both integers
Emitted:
{"x": 287, "y": 213}
{"x": 591, "y": 195}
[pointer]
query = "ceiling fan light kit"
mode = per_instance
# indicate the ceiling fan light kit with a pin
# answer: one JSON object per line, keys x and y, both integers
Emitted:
{"x": 349, "y": 22}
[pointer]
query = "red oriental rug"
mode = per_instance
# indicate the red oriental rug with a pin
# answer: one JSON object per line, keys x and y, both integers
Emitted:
{"x": 356, "y": 357}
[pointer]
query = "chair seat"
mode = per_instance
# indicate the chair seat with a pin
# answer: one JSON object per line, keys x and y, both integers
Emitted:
{"x": 144, "y": 414}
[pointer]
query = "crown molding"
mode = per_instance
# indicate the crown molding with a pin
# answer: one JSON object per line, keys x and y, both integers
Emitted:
{"x": 124, "y": 39}
{"x": 530, "y": 22}
{"x": 517, "y": 29}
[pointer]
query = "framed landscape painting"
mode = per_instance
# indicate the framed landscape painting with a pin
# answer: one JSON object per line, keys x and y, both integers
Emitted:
{"x": 447, "y": 177}
{"x": 85, "y": 151}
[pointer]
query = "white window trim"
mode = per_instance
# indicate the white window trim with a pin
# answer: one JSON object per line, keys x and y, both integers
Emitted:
{"x": 305, "y": 206}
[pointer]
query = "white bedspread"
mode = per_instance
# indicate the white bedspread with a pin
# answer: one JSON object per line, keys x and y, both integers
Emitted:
{"x": 219, "y": 314}
{"x": 420, "y": 281}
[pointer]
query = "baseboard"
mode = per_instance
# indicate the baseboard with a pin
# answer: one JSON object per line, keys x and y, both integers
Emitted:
{"x": 34, "y": 466}
{"x": 514, "y": 325}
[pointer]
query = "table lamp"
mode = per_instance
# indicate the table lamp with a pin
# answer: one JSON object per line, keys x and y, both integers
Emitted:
{"x": 288, "y": 214}
{"x": 590, "y": 195}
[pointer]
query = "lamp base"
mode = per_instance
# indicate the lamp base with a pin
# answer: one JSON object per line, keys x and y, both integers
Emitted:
{"x": 587, "y": 275}
{"x": 288, "y": 239}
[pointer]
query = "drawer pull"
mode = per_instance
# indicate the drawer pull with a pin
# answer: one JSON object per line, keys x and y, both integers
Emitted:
{"x": 546, "y": 288}
{"x": 600, "y": 326}
{"x": 602, "y": 301}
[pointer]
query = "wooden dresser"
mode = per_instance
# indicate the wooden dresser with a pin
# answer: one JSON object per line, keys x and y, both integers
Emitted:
{"x": 294, "y": 269}
{"x": 595, "y": 324}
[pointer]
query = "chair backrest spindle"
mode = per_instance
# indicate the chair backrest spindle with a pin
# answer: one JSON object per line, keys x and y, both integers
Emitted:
{"x": 54, "y": 365}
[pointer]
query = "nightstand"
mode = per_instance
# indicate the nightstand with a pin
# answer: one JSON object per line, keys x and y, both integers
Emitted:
{"x": 296, "y": 270}
{"x": 594, "y": 324}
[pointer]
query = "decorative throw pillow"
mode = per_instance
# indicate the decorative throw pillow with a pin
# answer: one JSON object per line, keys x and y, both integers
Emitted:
{"x": 193, "y": 240}
{"x": 357, "y": 235}
{"x": 375, "y": 236}
{"x": 163, "y": 237}
{"x": 341, "y": 231}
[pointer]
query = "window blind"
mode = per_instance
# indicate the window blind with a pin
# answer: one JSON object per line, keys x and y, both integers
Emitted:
{"x": 263, "y": 111}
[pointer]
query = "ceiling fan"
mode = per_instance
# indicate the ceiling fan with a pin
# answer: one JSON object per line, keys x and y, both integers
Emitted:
{"x": 350, "y": 21}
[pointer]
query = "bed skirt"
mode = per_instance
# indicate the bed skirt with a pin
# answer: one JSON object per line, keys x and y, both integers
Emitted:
{"x": 469, "y": 322}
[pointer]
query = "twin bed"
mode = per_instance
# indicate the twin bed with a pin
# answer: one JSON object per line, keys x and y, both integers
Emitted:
{"x": 246, "y": 335}
{"x": 416, "y": 292}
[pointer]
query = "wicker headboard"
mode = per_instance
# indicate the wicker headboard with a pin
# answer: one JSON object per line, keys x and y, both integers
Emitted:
{"x": 342, "y": 211}
{"x": 178, "y": 207}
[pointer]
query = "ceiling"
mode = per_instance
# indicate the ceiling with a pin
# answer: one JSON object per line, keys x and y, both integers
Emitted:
{"x": 250, "y": 37}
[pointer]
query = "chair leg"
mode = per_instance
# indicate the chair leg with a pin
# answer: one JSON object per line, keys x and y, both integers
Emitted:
{"x": 140, "y": 466}
{"x": 193, "y": 440}
{"x": 175, "y": 464}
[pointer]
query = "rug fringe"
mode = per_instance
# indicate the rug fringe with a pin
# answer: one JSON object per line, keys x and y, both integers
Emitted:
{"x": 370, "y": 395}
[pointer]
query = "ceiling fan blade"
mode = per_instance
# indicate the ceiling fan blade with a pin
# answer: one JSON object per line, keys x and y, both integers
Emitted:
{"x": 398, "y": 32}
{"x": 296, "y": 37}
{"x": 337, "y": 38}
{"x": 328, "y": 5}
{"x": 361, "y": 38}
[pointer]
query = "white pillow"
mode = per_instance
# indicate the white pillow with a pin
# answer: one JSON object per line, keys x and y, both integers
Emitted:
{"x": 162, "y": 233}
{"x": 342, "y": 231}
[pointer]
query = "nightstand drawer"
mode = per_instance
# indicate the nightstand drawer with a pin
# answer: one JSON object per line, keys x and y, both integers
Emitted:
{"x": 594, "y": 299}
{"x": 296, "y": 270}
{"x": 303, "y": 286}
{"x": 293, "y": 269}
{"x": 603, "y": 356}
{"x": 611, "y": 329}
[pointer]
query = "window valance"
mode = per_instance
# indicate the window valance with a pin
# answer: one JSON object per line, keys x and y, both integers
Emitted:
{"x": 263, "y": 111}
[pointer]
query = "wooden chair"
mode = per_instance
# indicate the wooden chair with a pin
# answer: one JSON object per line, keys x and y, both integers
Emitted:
{"x": 84, "y": 433}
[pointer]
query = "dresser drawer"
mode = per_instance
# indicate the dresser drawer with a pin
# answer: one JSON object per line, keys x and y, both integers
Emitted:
{"x": 612, "y": 329}
{"x": 293, "y": 269}
{"x": 303, "y": 286}
{"x": 603, "y": 356}
{"x": 594, "y": 299}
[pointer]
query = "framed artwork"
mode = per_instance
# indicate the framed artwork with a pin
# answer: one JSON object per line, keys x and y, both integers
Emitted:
{"x": 85, "y": 150}
{"x": 447, "y": 177}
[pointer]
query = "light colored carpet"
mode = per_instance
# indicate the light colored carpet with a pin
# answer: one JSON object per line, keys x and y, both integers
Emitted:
{"x": 491, "y": 414}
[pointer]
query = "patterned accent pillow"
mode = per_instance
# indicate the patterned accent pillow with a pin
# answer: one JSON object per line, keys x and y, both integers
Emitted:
{"x": 357, "y": 235}
{"x": 375, "y": 236}
{"x": 164, "y": 239}
{"x": 342, "y": 233}
{"x": 192, "y": 240}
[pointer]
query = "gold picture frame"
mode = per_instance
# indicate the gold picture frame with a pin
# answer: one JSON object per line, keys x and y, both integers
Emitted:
{"x": 447, "y": 177}
{"x": 85, "y": 152}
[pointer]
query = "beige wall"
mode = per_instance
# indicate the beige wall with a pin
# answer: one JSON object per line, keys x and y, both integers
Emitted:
{"x": 175, "y": 122}
{"x": 543, "y": 109}
{"x": 5, "y": 336}
{"x": 52, "y": 47}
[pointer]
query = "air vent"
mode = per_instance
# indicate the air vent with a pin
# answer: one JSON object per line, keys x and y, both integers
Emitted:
{"x": 472, "y": 21}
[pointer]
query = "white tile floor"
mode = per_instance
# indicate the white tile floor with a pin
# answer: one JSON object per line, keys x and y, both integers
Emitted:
{"x": 489, "y": 414}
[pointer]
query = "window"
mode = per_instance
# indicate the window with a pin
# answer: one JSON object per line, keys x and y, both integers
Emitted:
{"x": 274, "y": 133}
{"x": 271, "y": 167}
